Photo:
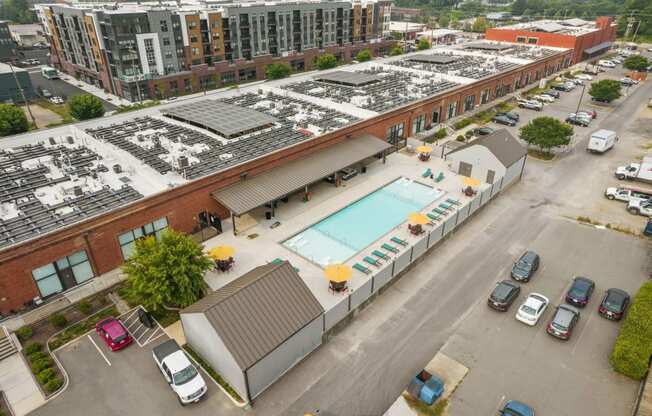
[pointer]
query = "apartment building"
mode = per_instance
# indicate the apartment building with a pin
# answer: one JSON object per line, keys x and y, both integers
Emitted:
{"x": 159, "y": 50}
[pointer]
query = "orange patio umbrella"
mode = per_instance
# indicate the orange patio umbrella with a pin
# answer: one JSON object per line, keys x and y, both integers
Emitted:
{"x": 338, "y": 273}
{"x": 221, "y": 252}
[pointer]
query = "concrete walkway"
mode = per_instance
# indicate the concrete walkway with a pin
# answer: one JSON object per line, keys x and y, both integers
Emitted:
{"x": 17, "y": 382}
{"x": 92, "y": 89}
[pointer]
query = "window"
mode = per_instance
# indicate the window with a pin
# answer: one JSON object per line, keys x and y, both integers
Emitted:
{"x": 63, "y": 274}
{"x": 484, "y": 96}
{"x": 520, "y": 39}
{"x": 469, "y": 102}
{"x": 452, "y": 110}
{"x": 166, "y": 41}
{"x": 149, "y": 53}
{"x": 532, "y": 41}
{"x": 195, "y": 51}
{"x": 193, "y": 39}
{"x": 395, "y": 133}
{"x": 128, "y": 240}
{"x": 164, "y": 25}
{"x": 419, "y": 123}
{"x": 192, "y": 24}
{"x": 435, "y": 116}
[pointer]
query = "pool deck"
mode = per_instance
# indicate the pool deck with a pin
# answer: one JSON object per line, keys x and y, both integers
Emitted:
{"x": 297, "y": 215}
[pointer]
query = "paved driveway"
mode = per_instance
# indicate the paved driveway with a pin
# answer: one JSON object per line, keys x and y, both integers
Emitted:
{"x": 59, "y": 87}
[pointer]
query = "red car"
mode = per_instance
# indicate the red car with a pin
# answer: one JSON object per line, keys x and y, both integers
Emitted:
{"x": 114, "y": 334}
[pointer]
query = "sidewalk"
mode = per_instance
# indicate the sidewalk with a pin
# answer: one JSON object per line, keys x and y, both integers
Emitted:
{"x": 16, "y": 380}
{"x": 91, "y": 89}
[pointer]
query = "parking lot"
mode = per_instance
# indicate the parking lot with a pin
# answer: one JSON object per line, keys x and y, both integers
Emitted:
{"x": 509, "y": 360}
{"x": 128, "y": 379}
{"x": 59, "y": 87}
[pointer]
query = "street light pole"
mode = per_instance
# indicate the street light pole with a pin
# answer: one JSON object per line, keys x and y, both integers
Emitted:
{"x": 580, "y": 101}
{"x": 22, "y": 94}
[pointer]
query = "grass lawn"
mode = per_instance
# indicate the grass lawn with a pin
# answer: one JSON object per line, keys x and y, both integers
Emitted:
{"x": 437, "y": 408}
{"x": 60, "y": 109}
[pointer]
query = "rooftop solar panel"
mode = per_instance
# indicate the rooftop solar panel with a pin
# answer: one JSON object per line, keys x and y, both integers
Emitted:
{"x": 434, "y": 59}
{"x": 227, "y": 120}
{"x": 488, "y": 46}
{"x": 354, "y": 79}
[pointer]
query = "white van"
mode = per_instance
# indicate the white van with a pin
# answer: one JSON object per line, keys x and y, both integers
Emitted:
{"x": 601, "y": 141}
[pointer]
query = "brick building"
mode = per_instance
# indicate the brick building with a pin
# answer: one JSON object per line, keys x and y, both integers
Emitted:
{"x": 587, "y": 39}
{"x": 155, "y": 51}
{"x": 75, "y": 198}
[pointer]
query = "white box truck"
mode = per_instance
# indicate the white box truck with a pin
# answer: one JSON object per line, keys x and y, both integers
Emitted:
{"x": 636, "y": 171}
{"x": 601, "y": 141}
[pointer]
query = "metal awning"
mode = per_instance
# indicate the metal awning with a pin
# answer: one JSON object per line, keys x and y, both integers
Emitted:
{"x": 597, "y": 48}
{"x": 271, "y": 185}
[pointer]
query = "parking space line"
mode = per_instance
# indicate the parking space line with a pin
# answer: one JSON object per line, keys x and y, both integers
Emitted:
{"x": 99, "y": 350}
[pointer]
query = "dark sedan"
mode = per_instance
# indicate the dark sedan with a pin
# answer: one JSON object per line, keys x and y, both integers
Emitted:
{"x": 525, "y": 266}
{"x": 503, "y": 295}
{"x": 510, "y": 114}
{"x": 483, "y": 131}
{"x": 580, "y": 291}
{"x": 504, "y": 120}
{"x": 614, "y": 303}
{"x": 553, "y": 93}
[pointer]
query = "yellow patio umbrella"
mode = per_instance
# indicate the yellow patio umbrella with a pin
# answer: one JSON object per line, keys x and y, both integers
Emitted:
{"x": 338, "y": 273}
{"x": 221, "y": 252}
{"x": 468, "y": 181}
{"x": 416, "y": 218}
{"x": 424, "y": 149}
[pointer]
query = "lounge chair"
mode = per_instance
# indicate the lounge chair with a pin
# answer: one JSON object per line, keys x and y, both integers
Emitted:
{"x": 372, "y": 261}
{"x": 380, "y": 255}
{"x": 446, "y": 206}
{"x": 389, "y": 248}
{"x": 434, "y": 217}
{"x": 439, "y": 177}
{"x": 453, "y": 201}
{"x": 426, "y": 173}
{"x": 399, "y": 241}
{"x": 440, "y": 211}
{"x": 359, "y": 267}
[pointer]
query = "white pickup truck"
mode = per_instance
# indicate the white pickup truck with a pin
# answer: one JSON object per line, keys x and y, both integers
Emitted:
{"x": 625, "y": 193}
{"x": 640, "y": 207}
{"x": 636, "y": 171}
{"x": 178, "y": 371}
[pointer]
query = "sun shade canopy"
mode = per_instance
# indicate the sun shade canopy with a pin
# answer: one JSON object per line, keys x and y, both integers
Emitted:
{"x": 274, "y": 184}
{"x": 434, "y": 59}
{"x": 352, "y": 79}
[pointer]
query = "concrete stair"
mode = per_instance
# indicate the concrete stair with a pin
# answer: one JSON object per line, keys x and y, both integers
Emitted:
{"x": 7, "y": 347}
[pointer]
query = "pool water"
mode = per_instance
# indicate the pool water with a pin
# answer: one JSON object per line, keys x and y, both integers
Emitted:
{"x": 353, "y": 228}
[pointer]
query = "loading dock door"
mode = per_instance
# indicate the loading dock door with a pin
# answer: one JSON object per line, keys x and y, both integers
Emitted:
{"x": 465, "y": 169}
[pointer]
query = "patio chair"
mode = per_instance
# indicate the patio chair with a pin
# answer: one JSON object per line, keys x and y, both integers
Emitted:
{"x": 416, "y": 229}
{"x": 399, "y": 241}
{"x": 426, "y": 173}
{"x": 359, "y": 267}
{"x": 439, "y": 177}
{"x": 372, "y": 261}
{"x": 434, "y": 217}
{"x": 389, "y": 248}
{"x": 380, "y": 255}
{"x": 453, "y": 201}
{"x": 440, "y": 211}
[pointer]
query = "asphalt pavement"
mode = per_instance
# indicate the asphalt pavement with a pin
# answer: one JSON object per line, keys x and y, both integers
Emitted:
{"x": 59, "y": 87}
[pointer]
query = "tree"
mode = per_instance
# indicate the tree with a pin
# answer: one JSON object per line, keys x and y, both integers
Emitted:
{"x": 85, "y": 106}
{"x": 443, "y": 21}
{"x": 423, "y": 44}
{"x": 480, "y": 24}
{"x": 17, "y": 11}
{"x": 605, "y": 90}
{"x": 546, "y": 133}
{"x": 167, "y": 272}
{"x": 326, "y": 61}
{"x": 636, "y": 63}
{"x": 396, "y": 50}
{"x": 364, "y": 56}
{"x": 278, "y": 71}
{"x": 518, "y": 7}
{"x": 12, "y": 120}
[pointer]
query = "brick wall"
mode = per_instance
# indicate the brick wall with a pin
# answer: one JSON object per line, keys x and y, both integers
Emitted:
{"x": 99, "y": 236}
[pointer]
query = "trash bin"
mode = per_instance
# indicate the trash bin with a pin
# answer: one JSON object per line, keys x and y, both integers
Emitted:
{"x": 145, "y": 318}
{"x": 268, "y": 215}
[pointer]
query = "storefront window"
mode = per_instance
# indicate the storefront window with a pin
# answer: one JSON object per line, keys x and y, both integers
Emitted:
{"x": 128, "y": 240}
{"x": 63, "y": 274}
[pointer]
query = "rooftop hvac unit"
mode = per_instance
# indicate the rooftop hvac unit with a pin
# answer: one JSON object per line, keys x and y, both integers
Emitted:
{"x": 77, "y": 190}
{"x": 57, "y": 162}
{"x": 70, "y": 139}
{"x": 52, "y": 141}
{"x": 183, "y": 162}
{"x": 117, "y": 168}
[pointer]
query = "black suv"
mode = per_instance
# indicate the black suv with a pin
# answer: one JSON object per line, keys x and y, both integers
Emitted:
{"x": 580, "y": 291}
{"x": 503, "y": 295}
{"x": 613, "y": 304}
{"x": 525, "y": 266}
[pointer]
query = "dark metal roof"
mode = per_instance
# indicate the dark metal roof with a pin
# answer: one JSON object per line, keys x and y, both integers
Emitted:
{"x": 488, "y": 46}
{"x": 227, "y": 120}
{"x": 502, "y": 144}
{"x": 250, "y": 193}
{"x": 597, "y": 48}
{"x": 259, "y": 311}
{"x": 434, "y": 59}
{"x": 353, "y": 79}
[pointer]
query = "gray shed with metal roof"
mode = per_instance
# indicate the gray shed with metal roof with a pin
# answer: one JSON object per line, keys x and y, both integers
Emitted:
{"x": 490, "y": 159}
{"x": 255, "y": 328}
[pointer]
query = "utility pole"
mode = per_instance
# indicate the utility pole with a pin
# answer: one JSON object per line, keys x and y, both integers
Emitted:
{"x": 580, "y": 101}
{"x": 22, "y": 94}
{"x": 636, "y": 31}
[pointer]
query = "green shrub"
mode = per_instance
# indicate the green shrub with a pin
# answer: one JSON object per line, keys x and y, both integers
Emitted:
{"x": 441, "y": 133}
{"x": 633, "y": 347}
{"x": 460, "y": 138}
{"x": 364, "y": 56}
{"x": 53, "y": 385}
{"x": 32, "y": 348}
{"x": 40, "y": 365}
{"x": 46, "y": 375}
{"x": 58, "y": 320}
{"x": 35, "y": 356}
{"x": 468, "y": 134}
{"x": 462, "y": 123}
{"x": 84, "y": 307}
{"x": 24, "y": 333}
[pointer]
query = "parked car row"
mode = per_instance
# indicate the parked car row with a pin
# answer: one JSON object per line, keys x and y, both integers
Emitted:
{"x": 612, "y": 306}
